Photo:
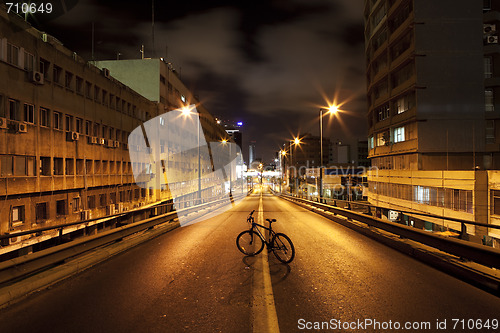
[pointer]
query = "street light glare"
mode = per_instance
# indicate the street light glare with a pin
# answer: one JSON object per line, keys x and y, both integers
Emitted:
{"x": 186, "y": 111}
{"x": 296, "y": 141}
{"x": 283, "y": 152}
{"x": 333, "y": 109}
{"x": 224, "y": 141}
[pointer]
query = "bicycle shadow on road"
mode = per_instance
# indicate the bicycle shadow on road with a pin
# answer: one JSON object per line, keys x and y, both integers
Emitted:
{"x": 278, "y": 271}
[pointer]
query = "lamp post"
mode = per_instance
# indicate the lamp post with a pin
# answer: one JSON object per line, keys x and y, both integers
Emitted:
{"x": 332, "y": 109}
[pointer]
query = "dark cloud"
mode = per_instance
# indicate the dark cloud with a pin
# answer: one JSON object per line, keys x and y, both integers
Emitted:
{"x": 271, "y": 64}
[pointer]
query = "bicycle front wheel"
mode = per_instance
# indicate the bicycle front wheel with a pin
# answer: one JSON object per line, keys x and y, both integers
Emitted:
{"x": 283, "y": 248}
{"x": 249, "y": 243}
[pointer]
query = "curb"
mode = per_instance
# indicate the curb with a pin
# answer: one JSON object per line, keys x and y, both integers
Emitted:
{"x": 442, "y": 261}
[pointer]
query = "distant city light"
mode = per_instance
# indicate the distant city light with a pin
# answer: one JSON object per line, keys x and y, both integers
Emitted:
{"x": 239, "y": 123}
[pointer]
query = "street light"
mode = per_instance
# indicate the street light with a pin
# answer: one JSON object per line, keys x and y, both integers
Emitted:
{"x": 332, "y": 109}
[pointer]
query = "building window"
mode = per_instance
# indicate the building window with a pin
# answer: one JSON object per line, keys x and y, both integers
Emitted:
{"x": 58, "y": 166}
{"x": 29, "y": 113}
{"x": 12, "y": 54}
{"x": 486, "y": 5}
{"x": 79, "y": 125}
{"x": 61, "y": 208}
{"x": 58, "y": 120}
{"x": 91, "y": 202}
{"x": 41, "y": 212}
{"x": 489, "y": 100}
{"x": 495, "y": 202}
{"x": 17, "y": 215}
{"x": 490, "y": 131}
{"x": 70, "y": 166}
{"x": 402, "y": 75}
{"x": 68, "y": 80}
{"x": 79, "y": 85}
{"x": 399, "y": 134}
{"x": 88, "y": 89}
{"x": 405, "y": 103}
{"x": 44, "y": 67}
{"x": 104, "y": 97}
{"x": 14, "y": 109}
{"x": 79, "y": 166}
{"x": 488, "y": 67}
{"x": 382, "y": 112}
{"x": 45, "y": 166}
{"x": 28, "y": 61}
{"x": 89, "y": 167}
{"x": 76, "y": 204}
{"x": 103, "y": 200}
{"x": 57, "y": 74}
{"x": 69, "y": 123}
{"x": 97, "y": 93}
{"x": 44, "y": 117}
{"x": 6, "y": 165}
{"x": 88, "y": 127}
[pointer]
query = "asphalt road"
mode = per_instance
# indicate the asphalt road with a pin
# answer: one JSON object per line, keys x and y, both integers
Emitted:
{"x": 194, "y": 279}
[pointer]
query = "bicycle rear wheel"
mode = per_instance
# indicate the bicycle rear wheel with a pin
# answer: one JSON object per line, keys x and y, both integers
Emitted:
{"x": 249, "y": 243}
{"x": 283, "y": 248}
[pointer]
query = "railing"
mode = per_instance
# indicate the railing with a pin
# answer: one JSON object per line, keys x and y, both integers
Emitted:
{"x": 478, "y": 253}
{"x": 23, "y": 266}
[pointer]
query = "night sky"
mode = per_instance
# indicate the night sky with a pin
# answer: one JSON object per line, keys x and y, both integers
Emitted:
{"x": 270, "y": 64}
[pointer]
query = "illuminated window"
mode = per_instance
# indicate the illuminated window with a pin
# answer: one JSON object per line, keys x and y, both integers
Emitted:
{"x": 399, "y": 134}
{"x": 17, "y": 215}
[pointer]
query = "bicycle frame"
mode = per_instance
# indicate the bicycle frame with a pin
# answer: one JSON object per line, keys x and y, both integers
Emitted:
{"x": 271, "y": 232}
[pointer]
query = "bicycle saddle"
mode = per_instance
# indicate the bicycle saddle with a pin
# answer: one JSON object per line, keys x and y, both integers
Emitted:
{"x": 271, "y": 221}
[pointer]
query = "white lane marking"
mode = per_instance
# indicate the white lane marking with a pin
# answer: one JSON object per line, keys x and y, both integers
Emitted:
{"x": 264, "y": 317}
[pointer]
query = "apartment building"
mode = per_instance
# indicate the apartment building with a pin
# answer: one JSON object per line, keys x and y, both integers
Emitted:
{"x": 64, "y": 128}
{"x": 431, "y": 107}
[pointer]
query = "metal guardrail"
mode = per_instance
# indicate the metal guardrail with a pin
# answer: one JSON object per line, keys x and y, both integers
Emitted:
{"x": 23, "y": 266}
{"x": 478, "y": 253}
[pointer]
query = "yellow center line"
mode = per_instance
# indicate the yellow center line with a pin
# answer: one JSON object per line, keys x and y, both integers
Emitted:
{"x": 264, "y": 317}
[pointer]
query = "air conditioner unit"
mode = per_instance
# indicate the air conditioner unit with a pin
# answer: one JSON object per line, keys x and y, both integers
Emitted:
{"x": 492, "y": 39}
{"x": 75, "y": 136}
{"x": 117, "y": 144}
{"x": 102, "y": 141}
{"x": 21, "y": 128}
{"x": 36, "y": 77}
{"x": 105, "y": 72}
{"x": 94, "y": 140}
{"x": 119, "y": 207}
{"x": 489, "y": 28}
{"x": 3, "y": 123}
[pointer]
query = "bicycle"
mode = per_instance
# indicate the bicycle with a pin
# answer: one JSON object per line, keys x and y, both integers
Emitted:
{"x": 251, "y": 242}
